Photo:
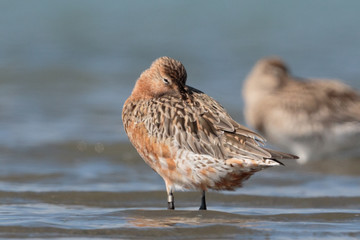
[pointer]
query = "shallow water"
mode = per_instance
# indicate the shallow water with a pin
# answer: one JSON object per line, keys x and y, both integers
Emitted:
{"x": 64, "y": 191}
{"x": 67, "y": 169}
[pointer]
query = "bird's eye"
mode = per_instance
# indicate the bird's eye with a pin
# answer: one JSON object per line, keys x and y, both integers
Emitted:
{"x": 167, "y": 82}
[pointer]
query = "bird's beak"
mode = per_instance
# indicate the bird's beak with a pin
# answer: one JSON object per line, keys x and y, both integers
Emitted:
{"x": 182, "y": 90}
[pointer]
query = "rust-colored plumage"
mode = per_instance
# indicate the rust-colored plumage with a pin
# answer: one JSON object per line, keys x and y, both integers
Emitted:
{"x": 187, "y": 137}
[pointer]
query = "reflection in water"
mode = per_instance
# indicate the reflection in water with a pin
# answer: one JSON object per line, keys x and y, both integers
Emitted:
{"x": 167, "y": 218}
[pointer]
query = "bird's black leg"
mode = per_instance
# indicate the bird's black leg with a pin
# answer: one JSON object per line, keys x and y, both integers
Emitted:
{"x": 171, "y": 204}
{"x": 203, "y": 202}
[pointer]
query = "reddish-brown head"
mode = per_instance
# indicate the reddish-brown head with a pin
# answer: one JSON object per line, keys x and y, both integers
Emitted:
{"x": 166, "y": 76}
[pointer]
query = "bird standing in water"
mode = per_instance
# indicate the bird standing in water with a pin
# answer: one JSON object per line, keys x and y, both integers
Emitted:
{"x": 187, "y": 137}
{"x": 312, "y": 118}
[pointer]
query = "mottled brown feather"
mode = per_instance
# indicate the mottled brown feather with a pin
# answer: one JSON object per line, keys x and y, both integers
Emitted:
{"x": 187, "y": 137}
{"x": 197, "y": 123}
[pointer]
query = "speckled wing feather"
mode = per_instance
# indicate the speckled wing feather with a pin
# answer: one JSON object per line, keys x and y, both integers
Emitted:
{"x": 326, "y": 101}
{"x": 200, "y": 125}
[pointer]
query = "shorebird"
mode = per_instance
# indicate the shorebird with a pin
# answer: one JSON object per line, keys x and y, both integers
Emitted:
{"x": 187, "y": 137}
{"x": 313, "y": 118}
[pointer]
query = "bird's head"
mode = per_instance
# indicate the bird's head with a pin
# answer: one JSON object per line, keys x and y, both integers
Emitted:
{"x": 166, "y": 76}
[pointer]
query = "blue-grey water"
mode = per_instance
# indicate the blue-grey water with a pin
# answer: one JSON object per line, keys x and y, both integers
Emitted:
{"x": 67, "y": 169}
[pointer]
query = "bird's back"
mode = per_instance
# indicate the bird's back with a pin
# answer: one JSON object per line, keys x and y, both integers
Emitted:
{"x": 195, "y": 136}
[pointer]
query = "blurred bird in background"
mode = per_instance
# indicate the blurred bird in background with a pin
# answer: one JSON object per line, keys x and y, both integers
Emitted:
{"x": 313, "y": 118}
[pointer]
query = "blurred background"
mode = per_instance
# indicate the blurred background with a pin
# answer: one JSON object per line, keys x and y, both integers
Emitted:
{"x": 67, "y": 66}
